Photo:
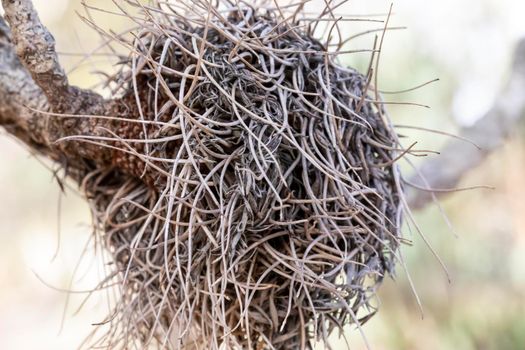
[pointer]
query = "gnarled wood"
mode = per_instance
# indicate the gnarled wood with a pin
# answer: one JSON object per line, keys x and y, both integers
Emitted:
{"x": 37, "y": 104}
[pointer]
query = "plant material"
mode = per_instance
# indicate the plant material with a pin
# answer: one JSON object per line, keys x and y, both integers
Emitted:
{"x": 243, "y": 180}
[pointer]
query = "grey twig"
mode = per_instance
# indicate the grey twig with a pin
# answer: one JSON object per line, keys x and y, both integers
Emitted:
{"x": 37, "y": 104}
{"x": 445, "y": 171}
{"x": 35, "y": 46}
{"x": 18, "y": 91}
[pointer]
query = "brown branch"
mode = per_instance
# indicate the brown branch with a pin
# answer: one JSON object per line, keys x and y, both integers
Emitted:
{"x": 32, "y": 82}
{"x": 458, "y": 157}
{"x": 35, "y": 46}
{"x": 17, "y": 89}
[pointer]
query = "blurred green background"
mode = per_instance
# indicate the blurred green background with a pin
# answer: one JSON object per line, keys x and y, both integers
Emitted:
{"x": 467, "y": 44}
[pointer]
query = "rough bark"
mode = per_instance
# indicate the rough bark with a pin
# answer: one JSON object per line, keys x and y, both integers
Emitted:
{"x": 37, "y": 104}
{"x": 20, "y": 97}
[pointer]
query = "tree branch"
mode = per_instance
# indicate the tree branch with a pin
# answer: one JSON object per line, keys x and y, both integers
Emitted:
{"x": 17, "y": 89}
{"x": 458, "y": 157}
{"x": 33, "y": 83}
{"x": 35, "y": 46}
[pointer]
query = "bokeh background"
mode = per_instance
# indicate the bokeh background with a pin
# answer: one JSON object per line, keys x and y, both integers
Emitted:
{"x": 468, "y": 44}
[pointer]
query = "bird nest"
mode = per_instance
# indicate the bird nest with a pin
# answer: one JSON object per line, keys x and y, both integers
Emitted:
{"x": 264, "y": 201}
